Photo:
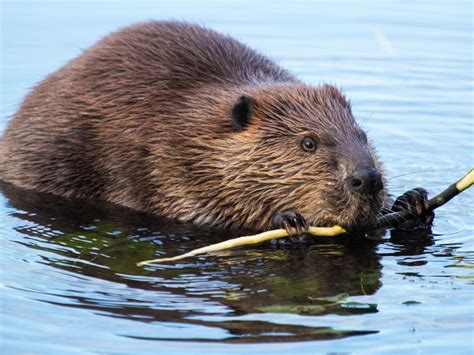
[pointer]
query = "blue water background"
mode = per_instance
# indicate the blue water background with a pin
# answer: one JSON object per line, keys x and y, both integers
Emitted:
{"x": 407, "y": 67}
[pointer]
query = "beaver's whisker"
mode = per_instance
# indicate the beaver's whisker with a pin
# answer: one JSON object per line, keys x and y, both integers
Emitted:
{"x": 411, "y": 173}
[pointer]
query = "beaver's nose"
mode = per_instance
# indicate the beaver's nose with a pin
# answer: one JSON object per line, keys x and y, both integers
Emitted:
{"x": 366, "y": 180}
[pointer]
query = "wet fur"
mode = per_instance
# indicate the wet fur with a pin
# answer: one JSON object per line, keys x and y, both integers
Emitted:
{"x": 144, "y": 119}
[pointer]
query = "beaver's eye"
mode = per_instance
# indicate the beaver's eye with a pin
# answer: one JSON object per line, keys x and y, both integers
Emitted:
{"x": 308, "y": 144}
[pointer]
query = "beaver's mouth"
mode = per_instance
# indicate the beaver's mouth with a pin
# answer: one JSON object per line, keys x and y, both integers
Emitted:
{"x": 359, "y": 226}
{"x": 357, "y": 217}
{"x": 364, "y": 219}
{"x": 354, "y": 212}
{"x": 355, "y": 226}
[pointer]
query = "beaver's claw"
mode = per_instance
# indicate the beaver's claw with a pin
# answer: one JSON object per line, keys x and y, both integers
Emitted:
{"x": 295, "y": 225}
{"x": 291, "y": 221}
{"x": 416, "y": 202}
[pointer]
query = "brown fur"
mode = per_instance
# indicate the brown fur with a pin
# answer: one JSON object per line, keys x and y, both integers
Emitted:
{"x": 143, "y": 119}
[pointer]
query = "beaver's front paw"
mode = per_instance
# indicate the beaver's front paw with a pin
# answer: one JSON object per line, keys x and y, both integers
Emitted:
{"x": 294, "y": 224}
{"x": 416, "y": 202}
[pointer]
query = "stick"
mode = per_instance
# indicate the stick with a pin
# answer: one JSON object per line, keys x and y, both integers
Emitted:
{"x": 392, "y": 219}
{"x": 388, "y": 220}
{"x": 253, "y": 239}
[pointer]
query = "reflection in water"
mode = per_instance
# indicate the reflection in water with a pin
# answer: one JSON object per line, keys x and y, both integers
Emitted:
{"x": 101, "y": 241}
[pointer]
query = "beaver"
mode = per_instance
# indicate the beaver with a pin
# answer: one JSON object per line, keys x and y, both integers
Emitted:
{"x": 177, "y": 120}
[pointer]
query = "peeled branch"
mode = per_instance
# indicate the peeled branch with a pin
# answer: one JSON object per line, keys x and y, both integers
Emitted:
{"x": 388, "y": 220}
{"x": 253, "y": 239}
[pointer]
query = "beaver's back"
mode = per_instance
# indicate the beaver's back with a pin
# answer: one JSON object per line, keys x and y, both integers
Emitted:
{"x": 84, "y": 130}
{"x": 188, "y": 55}
{"x": 177, "y": 56}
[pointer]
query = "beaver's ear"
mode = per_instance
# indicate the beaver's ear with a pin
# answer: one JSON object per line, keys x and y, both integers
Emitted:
{"x": 242, "y": 111}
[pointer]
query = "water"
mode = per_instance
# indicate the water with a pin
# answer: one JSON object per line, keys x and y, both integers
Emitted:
{"x": 69, "y": 280}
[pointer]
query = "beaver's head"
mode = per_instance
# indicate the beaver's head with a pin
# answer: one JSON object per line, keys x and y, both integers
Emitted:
{"x": 299, "y": 148}
{"x": 280, "y": 147}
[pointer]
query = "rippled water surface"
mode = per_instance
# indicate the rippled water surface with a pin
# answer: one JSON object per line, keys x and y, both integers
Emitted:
{"x": 69, "y": 281}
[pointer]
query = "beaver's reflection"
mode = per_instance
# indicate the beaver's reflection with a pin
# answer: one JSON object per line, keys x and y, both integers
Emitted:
{"x": 110, "y": 240}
